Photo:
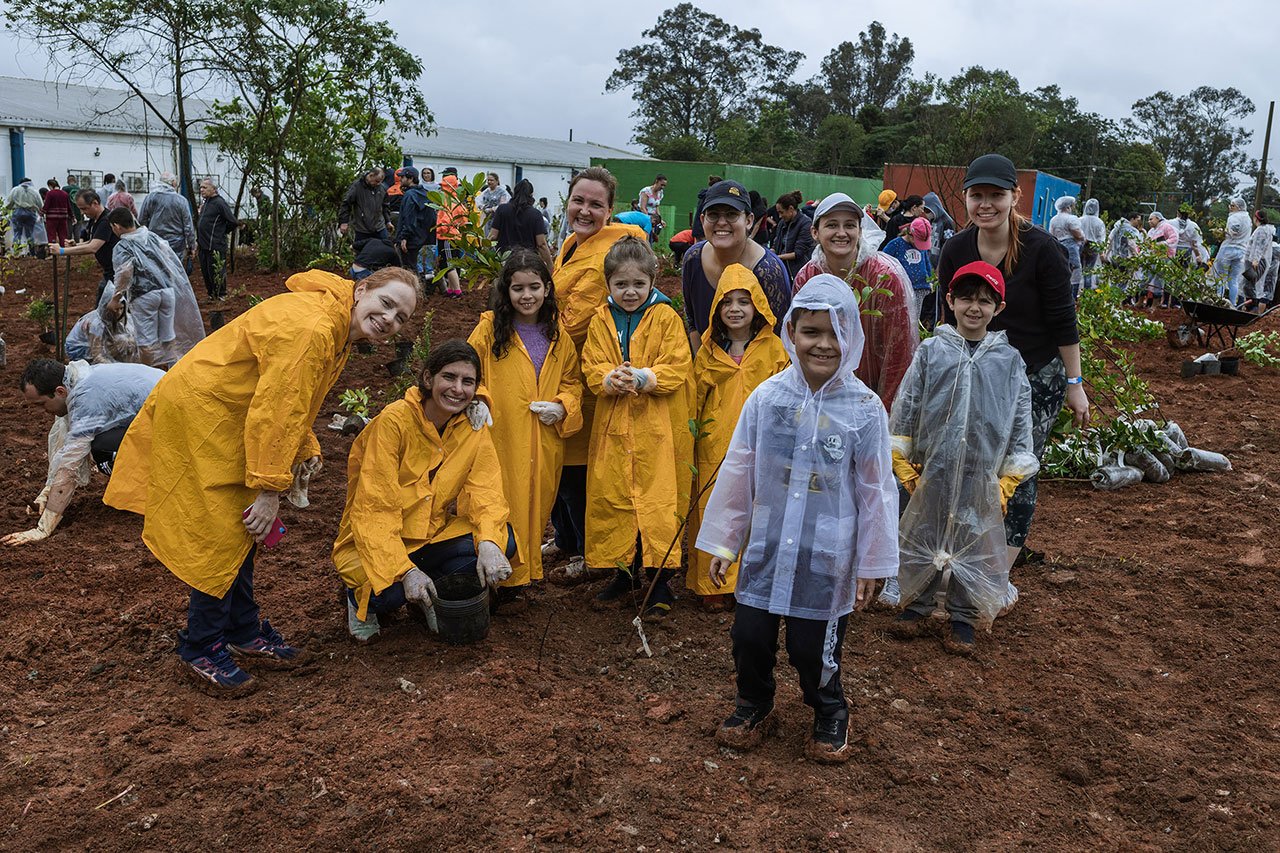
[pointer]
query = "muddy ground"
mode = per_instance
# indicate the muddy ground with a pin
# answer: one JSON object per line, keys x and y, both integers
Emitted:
{"x": 1128, "y": 703}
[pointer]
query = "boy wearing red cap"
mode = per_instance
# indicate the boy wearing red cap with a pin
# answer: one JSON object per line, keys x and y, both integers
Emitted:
{"x": 961, "y": 438}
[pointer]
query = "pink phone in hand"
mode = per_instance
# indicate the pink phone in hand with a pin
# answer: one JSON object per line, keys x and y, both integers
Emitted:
{"x": 273, "y": 536}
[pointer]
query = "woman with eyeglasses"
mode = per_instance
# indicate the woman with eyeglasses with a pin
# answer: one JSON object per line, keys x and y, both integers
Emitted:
{"x": 727, "y": 220}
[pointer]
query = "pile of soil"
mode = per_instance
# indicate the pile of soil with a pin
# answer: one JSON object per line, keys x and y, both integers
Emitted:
{"x": 1128, "y": 702}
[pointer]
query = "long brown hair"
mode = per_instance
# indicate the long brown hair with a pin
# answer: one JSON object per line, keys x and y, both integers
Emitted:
{"x": 522, "y": 259}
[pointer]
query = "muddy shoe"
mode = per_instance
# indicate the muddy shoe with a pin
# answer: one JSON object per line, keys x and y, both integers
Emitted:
{"x": 269, "y": 650}
{"x": 574, "y": 572}
{"x": 960, "y": 640}
{"x": 619, "y": 590}
{"x": 216, "y": 674}
{"x": 717, "y": 603}
{"x": 908, "y": 625}
{"x": 830, "y": 741}
{"x": 747, "y": 726}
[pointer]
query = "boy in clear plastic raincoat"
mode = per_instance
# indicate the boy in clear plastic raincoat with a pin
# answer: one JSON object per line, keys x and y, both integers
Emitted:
{"x": 806, "y": 496}
{"x": 961, "y": 428}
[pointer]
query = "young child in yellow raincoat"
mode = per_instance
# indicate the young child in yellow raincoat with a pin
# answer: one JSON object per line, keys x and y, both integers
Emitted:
{"x": 636, "y": 360}
{"x": 229, "y": 427}
{"x": 739, "y": 351}
{"x": 411, "y": 466}
{"x": 531, "y": 366}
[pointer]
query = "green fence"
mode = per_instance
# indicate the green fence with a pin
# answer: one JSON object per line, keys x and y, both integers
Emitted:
{"x": 685, "y": 179}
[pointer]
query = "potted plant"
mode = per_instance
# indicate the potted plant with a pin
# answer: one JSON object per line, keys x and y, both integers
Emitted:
{"x": 355, "y": 411}
{"x": 40, "y": 311}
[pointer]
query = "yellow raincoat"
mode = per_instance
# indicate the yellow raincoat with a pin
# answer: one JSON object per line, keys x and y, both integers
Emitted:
{"x": 532, "y": 452}
{"x": 638, "y": 479}
{"x": 229, "y": 420}
{"x": 581, "y": 289}
{"x": 404, "y": 482}
{"x": 721, "y": 388}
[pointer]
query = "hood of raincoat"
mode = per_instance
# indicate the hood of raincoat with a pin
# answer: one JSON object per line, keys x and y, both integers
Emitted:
{"x": 1091, "y": 207}
{"x": 1063, "y": 203}
{"x": 738, "y": 277}
{"x": 627, "y": 321}
{"x": 161, "y": 187}
{"x": 829, "y": 293}
{"x": 942, "y": 220}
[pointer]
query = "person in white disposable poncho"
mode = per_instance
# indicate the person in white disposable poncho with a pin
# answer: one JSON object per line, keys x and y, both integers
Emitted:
{"x": 92, "y": 406}
{"x": 1095, "y": 232}
{"x": 163, "y": 313}
{"x": 1228, "y": 266}
{"x": 961, "y": 428}
{"x": 806, "y": 496}
{"x": 1065, "y": 228}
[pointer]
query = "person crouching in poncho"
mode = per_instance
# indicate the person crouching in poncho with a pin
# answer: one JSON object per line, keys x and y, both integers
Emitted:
{"x": 961, "y": 428}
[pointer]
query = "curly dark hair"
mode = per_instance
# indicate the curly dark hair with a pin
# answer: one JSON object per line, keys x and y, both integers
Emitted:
{"x": 522, "y": 259}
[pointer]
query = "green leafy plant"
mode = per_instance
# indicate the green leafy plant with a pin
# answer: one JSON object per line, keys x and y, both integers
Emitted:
{"x": 337, "y": 261}
{"x": 254, "y": 299}
{"x": 1260, "y": 348}
{"x": 479, "y": 261}
{"x": 40, "y": 311}
{"x": 355, "y": 401}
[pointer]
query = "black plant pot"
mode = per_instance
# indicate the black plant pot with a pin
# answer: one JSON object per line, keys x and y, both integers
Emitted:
{"x": 397, "y": 367}
{"x": 48, "y": 338}
{"x": 364, "y": 347}
{"x": 1230, "y": 366}
{"x": 216, "y": 321}
{"x": 404, "y": 349}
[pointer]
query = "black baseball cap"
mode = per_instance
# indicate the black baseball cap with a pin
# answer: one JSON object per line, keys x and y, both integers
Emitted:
{"x": 993, "y": 169}
{"x": 731, "y": 193}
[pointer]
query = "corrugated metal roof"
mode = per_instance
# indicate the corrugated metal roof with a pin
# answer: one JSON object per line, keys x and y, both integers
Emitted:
{"x": 41, "y": 104}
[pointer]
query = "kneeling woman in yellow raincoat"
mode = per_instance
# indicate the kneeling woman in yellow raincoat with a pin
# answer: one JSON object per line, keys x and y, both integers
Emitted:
{"x": 531, "y": 369}
{"x": 223, "y": 435}
{"x": 739, "y": 351}
{"x": 636, "y": 360}
{"x": 424, "y": 497}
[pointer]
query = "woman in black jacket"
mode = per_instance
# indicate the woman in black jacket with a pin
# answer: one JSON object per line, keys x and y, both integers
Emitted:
{"x": 793, "y": 242}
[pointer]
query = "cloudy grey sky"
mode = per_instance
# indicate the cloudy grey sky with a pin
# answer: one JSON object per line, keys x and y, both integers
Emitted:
{"x": 538, "y": 68}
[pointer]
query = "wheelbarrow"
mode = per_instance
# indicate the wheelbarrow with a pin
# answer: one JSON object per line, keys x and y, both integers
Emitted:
{"x": 1220, "y": 321}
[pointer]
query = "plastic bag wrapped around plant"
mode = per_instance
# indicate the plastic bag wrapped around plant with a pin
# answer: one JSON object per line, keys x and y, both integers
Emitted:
{"x": 1108, "y": 478}
{"x": 1166, "y": 459}
{"x": 1146, "y": 462}
{"x": 1175, "y": 434}
{"x": 1194, "y": 459}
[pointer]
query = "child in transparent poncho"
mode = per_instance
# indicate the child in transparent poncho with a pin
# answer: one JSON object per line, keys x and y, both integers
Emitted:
{"x": 805, "y": 500}
{"x": 961, "y": 427}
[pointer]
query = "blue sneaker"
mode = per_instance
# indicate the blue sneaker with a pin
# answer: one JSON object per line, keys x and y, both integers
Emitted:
{"x": 270, "y": 650}
{"x": 216, "y": 674}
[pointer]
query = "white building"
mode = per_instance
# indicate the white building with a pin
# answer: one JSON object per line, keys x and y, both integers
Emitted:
{"x": 56, "y": 131}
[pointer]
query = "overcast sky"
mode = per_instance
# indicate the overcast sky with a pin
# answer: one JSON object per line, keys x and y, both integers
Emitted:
{"x": 539, "y": 68}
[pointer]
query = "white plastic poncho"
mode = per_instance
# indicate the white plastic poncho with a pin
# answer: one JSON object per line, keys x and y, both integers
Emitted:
{"x": 966, "y": 420}
{"x": 1095, "y": 230}
{"x": 154, "y": 266}
{"x": 807, "y": 483}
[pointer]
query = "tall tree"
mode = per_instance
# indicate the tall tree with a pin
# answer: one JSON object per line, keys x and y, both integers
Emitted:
{"x": 874, "y": 71}
{"x": 693, "y": 72}
{"x": 978, "y": 111}
{"x": 1199, "y": 137}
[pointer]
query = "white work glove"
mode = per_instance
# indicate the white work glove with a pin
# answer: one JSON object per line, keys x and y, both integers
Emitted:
{"x": 549, "y": 413}
{"x": 645, "y": 379}
{"x": 42, "y": 498}
{"x": 302, "y": 474}
{"x": 419, "y": 589}
{"x": 491, "y": 564}
{"x": 620, "y": 380}
{"x": 478, "y": 414}
{"x": 48, "y": 521}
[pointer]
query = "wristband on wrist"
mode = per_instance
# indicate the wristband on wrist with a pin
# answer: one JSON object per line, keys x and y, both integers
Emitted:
{"x": 1075, "y": 380}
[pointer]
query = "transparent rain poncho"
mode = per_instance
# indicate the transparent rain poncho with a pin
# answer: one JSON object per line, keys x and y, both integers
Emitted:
{"x": 965, "y": 419}
{"x": 807, "y": 485}
{"x": 1095, "y": 230}
{"x": 144, "y": 263}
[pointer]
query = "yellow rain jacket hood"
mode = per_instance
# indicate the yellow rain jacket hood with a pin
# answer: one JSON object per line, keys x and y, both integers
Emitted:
{"x": 641, "y": 448}
{"x": 229, "y": 420}
{"x": 532, "y": 452}
{"x": 721, "y": 388}
{"x": 408, "y": 486}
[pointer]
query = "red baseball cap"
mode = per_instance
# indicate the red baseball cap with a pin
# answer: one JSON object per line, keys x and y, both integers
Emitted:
{"x": 982, "y": 270}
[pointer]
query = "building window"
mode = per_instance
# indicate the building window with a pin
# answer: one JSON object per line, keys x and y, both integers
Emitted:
{"x": 136, "y": 182}
{"x": 86, "y": 180}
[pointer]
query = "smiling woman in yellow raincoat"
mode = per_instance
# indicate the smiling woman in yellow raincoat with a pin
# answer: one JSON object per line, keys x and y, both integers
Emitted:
{"x": 531, "y": 370}
{"x": 424, "y": 497}
{"x": 223, "y": 435}
{"x": 581, "y": 289}
{"x": 636, "y": 360}
{"x": 734, "y": 358}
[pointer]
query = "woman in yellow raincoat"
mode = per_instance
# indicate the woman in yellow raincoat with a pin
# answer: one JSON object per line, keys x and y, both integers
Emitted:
{"x": 531, "y": 368}
{"x": 636, "y": 359}
{"x": 581, "y": 290}
{"x": 424, "y": 497}
{"x": 739, "y": 351}
{"x": 223, "y": 435}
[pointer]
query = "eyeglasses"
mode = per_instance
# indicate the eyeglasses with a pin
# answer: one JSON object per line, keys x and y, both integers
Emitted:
{"x": 728, "y": 216}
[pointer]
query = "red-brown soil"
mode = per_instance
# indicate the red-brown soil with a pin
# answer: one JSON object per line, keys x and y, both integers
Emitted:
{"x": 1128, "y": 703}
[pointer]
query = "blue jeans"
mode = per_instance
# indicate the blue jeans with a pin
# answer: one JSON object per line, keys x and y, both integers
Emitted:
{"x": 456, "y": 556}
{"x": 1229, "y": 268}
{"x": 24, "y": 225}
{"x": 233, "y": 618}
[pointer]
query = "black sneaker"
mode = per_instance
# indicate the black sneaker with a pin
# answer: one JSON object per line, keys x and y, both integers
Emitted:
{"x": 746, "y": 727}
{"x": 830, "y": 741}
{"x": 908, "y": 625}
{"x": 618, "y": 589}
{"x": 960, "y": 641}
{"x": 660, "y": 602}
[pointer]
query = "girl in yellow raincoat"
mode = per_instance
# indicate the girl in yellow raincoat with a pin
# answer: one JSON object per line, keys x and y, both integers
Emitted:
{"x": 739, "y": 351}
{"x": 229, "y": 427}
{"x": 581, "y": 290}
{"x": 636, "y": 360}
{"x": 531, "y": 367}
{"x": 424, "y": 497}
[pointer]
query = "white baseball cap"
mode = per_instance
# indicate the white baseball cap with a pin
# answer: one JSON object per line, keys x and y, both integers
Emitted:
{"x": 835, "y": 201}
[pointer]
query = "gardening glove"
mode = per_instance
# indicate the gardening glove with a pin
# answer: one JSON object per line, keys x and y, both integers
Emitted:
{"x": 906, "y": 473}
{"x": 419, "y": 589}
{"x": 1008, "y": 485}
{"x": 42, "y": 498}
{"x": 645, "y": 379}
{"x": 491, "y": 564}
{"x": 48, "y": 521}
{"x": 478, "y": 414}
{"x": 547, "y": 412}
{"x": 302, "y": 474}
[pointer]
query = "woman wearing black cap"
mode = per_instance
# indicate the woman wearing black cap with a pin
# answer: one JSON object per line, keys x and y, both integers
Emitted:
{"x": 727, "y": 220}
{"x": 1040, "y": 314}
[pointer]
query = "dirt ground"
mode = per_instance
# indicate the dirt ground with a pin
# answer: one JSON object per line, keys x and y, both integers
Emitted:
{"x": 1129, "y": 702}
